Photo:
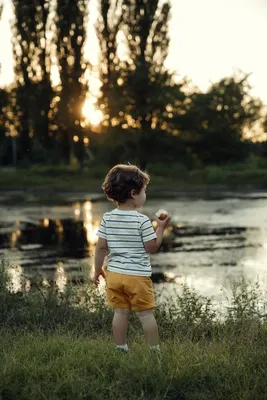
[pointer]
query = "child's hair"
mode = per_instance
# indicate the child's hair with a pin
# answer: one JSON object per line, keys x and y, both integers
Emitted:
{"x": 122, "y": 179}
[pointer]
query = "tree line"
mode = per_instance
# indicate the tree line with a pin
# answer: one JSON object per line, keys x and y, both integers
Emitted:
{"x": 148, "y": 115}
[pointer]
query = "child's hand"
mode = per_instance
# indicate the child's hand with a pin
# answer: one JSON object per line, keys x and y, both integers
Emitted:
{"x": 97, "y": 276}
{"x": 163, "y": 223}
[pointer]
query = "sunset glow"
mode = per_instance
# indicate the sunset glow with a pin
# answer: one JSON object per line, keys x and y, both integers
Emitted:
{"x": 91, "y": 113}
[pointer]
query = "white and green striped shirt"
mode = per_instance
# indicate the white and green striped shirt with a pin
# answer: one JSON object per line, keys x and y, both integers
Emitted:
{"x": 126, "y": 231}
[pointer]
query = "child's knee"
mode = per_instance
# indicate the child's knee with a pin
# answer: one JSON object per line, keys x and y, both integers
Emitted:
{"x": 145, "y": 314}
{"x": 122, "y": 311}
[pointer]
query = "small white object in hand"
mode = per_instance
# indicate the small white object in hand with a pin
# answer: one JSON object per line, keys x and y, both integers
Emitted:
{"x": 161, "y": 213}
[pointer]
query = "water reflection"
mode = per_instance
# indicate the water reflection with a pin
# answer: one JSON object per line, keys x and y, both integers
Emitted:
{"x": 77, "y": 210}
{"x": 46, "y": 222}
{"x": 90, "y": 226}
{"x": 49, "y": 246}
{"x": 14, "y": 237}
{"x": 201, "y": 248}
{"x": 74, "y": 234}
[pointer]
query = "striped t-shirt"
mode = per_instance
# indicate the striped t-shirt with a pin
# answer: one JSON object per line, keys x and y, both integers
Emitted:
{"x": 126, "y": 231}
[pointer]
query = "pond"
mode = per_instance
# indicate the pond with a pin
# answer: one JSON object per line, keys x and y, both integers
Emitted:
{"x": 211, "y": 241}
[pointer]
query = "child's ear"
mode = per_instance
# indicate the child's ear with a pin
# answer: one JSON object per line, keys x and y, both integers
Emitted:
{"x": 133, "y": 193}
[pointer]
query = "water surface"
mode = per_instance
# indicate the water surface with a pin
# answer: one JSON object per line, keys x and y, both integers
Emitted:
{"x": 210, "y": 241}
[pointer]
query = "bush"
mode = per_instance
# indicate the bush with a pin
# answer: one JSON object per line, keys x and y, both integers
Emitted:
{"x": 168, "y": 170}
{"x": 82, "y": 309}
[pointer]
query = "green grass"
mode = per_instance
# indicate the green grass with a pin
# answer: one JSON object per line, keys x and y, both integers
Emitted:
{"x": 59, "y": 346}
{"x": 60, "y": 178}
{"x": 174, "y": 176}
{"x": 38, "y": 366}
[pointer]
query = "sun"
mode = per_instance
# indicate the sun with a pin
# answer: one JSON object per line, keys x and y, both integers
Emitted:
{"x": 91, "y": 113}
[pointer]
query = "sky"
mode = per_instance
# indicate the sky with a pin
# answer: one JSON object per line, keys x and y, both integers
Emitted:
{"x": 210, "y": 39}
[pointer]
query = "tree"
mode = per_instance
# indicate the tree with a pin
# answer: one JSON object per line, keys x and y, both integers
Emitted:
{"x": 108, "y": 27}
{"x": 147, "y": 96}
{"x": 3, "y": 108}
{"x": 32, "y": 73}
{"x": 71, "y": 19}
{"x": 139, "y": 94}
{"x": 150, "y": 90}
{"x": 215, "y": 121}
{"x": 111, "y": 144}
{"x": 4, "y": 101}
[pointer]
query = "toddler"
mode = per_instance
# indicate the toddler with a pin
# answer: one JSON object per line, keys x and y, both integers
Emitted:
{"x": 128, "y": 237}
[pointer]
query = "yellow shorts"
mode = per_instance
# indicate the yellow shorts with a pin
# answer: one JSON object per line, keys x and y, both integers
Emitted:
{"x": 127, "y": 291}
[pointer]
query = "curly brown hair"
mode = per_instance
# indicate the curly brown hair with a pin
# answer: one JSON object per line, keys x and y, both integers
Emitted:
{"x": 122, "y": 179}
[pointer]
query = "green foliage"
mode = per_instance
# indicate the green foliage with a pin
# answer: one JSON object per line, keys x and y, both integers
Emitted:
{"x": 247, "y": 302}
{"x": 4, "y": 102}
{"x": 33, "y": 92}
{"x": 52, "y": 181}
{"x": 59, "y": 344}
{"x": 214, "y": 123}
{"x": 149, "y": 116}
{"x": 137, "y": 89}
{"x": 82, "y": 309}
{"x": 187, "y": 315}
{"x": 46, "y": 309}
{"x": 71, "y": 20}
{"x": 108, "y": 27}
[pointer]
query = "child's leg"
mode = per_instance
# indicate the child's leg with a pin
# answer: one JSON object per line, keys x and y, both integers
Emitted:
{"x": 150, "y": 326}
{"x": 120, "y": 325}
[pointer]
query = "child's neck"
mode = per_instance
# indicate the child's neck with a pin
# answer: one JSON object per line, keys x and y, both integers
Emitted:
{"x": 126, "y": 207}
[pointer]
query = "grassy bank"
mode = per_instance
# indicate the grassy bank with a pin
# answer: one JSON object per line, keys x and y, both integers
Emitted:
{"x": 38, "y": 366}
{"x": 170, "y": 176}
{"x": 58, "y": 345}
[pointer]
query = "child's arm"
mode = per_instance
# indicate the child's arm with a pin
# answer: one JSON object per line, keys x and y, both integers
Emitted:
{"x": 100, "y": 253}
{"x": 152, "y": 246}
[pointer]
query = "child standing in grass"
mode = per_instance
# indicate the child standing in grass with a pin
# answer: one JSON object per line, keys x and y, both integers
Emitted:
{"x": 128, "y": 237}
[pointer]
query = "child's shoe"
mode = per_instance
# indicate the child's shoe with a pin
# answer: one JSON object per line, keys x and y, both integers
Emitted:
{"x": 123, "y": 347}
